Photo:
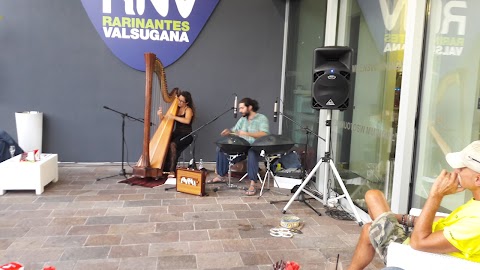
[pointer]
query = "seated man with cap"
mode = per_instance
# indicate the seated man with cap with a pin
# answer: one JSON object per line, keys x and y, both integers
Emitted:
{"x": 457, "y": 235}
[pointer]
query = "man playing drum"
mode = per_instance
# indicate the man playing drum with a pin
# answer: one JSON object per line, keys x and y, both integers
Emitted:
{"x": 251, "y": 126}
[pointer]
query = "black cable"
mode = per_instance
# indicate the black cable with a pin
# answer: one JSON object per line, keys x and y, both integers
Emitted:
{"x": 314, "y": 191}
{"x": 126, "y": 148}
{"x": 338, "y": 213}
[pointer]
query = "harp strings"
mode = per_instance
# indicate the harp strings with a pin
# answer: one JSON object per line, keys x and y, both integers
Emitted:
{"x": 157, "y": 102}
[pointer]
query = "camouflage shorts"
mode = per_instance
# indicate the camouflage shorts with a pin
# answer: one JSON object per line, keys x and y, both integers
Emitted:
{"x": 384, "y": 230}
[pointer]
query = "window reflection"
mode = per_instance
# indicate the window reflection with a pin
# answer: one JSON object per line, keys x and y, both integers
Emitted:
{"x": 365, "y": 135}
{"x": 449, "y": 116}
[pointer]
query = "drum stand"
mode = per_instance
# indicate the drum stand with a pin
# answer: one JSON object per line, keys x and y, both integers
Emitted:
{"x": 231, "y": 158}
{"x": 245, "y": 176}
{"x": 328, "y": 162}
{"x": 268, "y": 173}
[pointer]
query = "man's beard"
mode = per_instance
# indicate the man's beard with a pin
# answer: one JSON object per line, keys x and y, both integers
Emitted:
{"x": 246, "y": 115}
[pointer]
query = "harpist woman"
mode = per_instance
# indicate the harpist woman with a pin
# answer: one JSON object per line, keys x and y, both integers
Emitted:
{"x": 183, "y": 126}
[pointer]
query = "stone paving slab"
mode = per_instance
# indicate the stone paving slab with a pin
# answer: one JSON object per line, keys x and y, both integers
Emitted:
{"x": 80, "y": 223}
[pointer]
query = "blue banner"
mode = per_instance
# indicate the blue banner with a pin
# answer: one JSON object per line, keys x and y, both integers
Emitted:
{"x": 131, "y": 28}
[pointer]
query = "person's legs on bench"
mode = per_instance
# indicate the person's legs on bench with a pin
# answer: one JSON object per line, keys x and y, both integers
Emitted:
{"x": 381, "y": 215}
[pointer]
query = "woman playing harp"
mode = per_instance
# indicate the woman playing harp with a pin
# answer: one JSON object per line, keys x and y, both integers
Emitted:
{"x": 183, "y": 126}
{"x": 154, "y": 153}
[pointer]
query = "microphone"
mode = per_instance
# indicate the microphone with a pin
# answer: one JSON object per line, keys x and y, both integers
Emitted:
{"x": 235, "y": 107}
{"x": 275, "y": 111}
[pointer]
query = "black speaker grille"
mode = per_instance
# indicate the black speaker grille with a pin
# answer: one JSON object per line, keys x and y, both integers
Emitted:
{"x": 317, "y": 74}
{"x": 345, "y": 74}
{"x": 331, "y": 77}
{"x": 318, "y": 106}
{"x": 331, "y": 91}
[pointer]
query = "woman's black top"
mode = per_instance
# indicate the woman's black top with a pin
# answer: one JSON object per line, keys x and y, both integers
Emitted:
{"x": 181, "y": 128}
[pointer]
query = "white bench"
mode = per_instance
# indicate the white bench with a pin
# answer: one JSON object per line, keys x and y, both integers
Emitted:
{"x": 407, "y": 258}
{"x": 16, "y": 175}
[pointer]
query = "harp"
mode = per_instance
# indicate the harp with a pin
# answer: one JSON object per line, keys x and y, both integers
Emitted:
{"x": 154, "y": 150}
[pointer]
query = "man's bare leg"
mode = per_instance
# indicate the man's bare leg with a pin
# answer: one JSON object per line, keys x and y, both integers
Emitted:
{"x": 364, "y": 252}
{"x": 376, "y": 203}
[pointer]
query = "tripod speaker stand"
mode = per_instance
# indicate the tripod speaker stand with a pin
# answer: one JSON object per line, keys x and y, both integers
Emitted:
{"x": 327, "y": 161}
{"x": 332, "y": 67}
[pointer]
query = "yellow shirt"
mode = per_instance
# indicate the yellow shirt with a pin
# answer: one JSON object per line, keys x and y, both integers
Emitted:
{"x": 462, "y": 230}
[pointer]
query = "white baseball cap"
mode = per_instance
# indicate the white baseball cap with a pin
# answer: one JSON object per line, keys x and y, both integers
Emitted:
{"x": 468, "y": 157}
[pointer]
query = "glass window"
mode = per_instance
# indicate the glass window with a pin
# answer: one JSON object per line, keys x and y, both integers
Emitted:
{"x": 449, "y": 107}
{"x": 363, "y": 136}
{"x": 306, "y": 32}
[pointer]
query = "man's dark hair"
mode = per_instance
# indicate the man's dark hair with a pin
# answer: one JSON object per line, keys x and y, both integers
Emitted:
{"x": 250, "y": 102}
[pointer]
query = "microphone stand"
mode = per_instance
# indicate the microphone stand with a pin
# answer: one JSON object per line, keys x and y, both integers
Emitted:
{"x": 194, "y": 164}
{"x": 124, "y": 115}
{"x": 301, "y": 197}
{"x": 206, "y": 124}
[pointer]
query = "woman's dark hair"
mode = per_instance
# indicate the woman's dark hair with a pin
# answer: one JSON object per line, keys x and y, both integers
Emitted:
{"x": 250, "y": 102}
{"x": 188, "y": 100}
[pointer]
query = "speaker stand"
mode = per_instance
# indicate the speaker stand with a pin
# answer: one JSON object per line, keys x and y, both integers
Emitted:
{"x": 327, "y": 161}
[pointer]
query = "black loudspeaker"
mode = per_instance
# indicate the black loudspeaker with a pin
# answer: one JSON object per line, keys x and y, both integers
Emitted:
{"x": 331, "y": 77}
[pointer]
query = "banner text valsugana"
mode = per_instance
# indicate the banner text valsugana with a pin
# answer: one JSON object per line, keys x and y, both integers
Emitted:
{"x": 145, "y": 29}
